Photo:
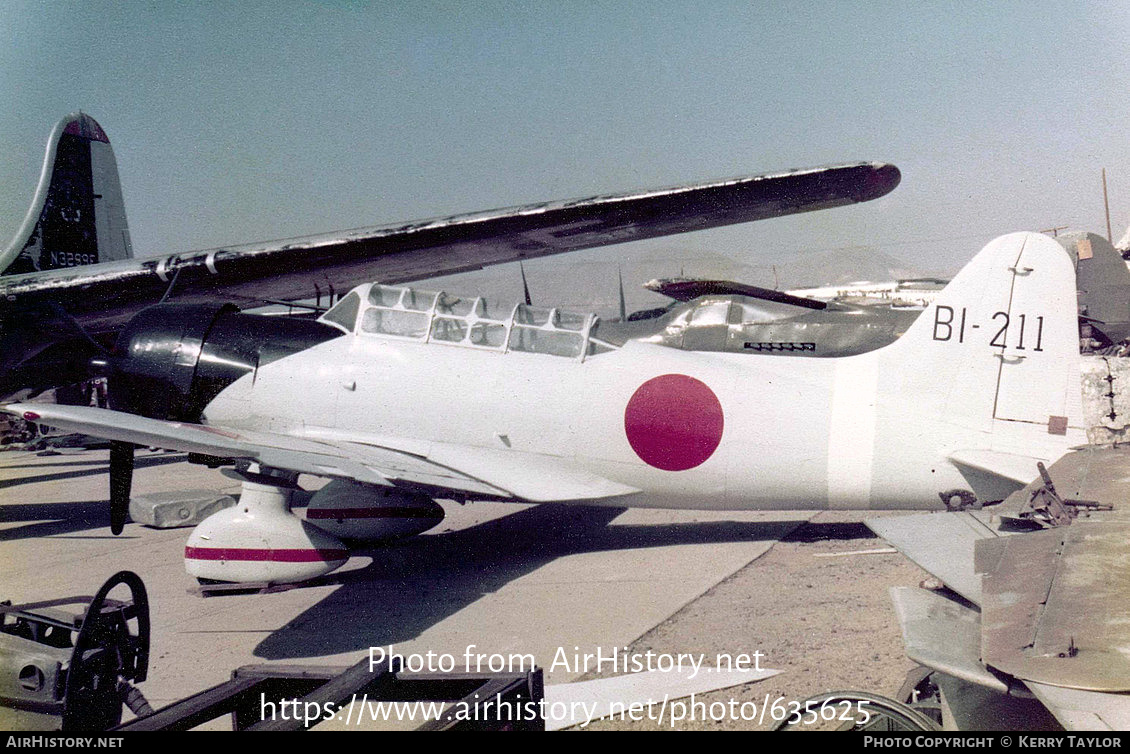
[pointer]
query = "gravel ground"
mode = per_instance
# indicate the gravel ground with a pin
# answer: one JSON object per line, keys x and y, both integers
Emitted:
{"x": 826, "y": 622}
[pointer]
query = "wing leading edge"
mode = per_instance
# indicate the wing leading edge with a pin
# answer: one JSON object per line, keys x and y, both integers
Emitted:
{"x": 436, "y": 467}
{"x": 103, "y": 296}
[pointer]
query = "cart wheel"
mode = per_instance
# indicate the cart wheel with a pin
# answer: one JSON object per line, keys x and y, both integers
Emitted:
{"x": 856, "y": 711}
{"x": 107, "y": 650}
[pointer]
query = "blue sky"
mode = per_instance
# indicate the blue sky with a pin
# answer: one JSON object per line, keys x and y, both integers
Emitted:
{"x": 237, "y": 122}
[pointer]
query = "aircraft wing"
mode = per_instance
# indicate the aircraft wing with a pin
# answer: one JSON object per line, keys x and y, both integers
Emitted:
{"x": 946, "y": 635}
{"x": 1084, "y": 710}
{"x": 1050, "y": 607}
{"x": 942, "y": 544}
{"x": 101, "y": 297}
{"x": 683, "y": 289}
{"x": 1055, "y": 606}
{"x": 432, "y": 466}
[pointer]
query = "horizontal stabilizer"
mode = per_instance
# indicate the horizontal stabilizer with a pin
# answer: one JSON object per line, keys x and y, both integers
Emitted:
{"x": 683, "y": 289}
{"x": 1084, "y": 710}
{"x": 942, "y": 544}
{"x": 1008, "y": 466}
{"x": 943, "y": 634}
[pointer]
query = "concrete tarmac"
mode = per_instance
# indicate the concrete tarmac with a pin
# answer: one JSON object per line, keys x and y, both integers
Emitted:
{"x": 492, "y": 581}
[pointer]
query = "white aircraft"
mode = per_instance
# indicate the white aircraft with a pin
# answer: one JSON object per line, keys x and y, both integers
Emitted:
{"x": 403, "y": 396}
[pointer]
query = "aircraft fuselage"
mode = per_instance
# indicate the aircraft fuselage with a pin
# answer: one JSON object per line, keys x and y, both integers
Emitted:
{"x": 959, "y": 403}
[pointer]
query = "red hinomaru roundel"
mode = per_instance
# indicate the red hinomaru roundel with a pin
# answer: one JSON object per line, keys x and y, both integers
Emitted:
{"x": 673, "y": 422}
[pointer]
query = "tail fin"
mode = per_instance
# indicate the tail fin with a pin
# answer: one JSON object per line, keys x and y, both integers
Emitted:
{"x": 1104, "y": 284}
{"x": 998, "y": 350}
{"x": 77, "y": 216}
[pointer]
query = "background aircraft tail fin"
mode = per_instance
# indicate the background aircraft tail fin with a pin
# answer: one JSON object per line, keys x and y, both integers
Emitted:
{"x": 77, "y": 216}
{"x": 998, "y": 350}
{"x": 1104, "y": 285}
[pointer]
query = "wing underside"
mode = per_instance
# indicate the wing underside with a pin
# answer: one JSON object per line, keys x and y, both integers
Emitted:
{"x": 104, "y": 295}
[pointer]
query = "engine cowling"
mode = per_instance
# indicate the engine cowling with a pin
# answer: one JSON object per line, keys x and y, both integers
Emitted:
{"x": 171, "y": 360}
{"x": 370, "y": 513}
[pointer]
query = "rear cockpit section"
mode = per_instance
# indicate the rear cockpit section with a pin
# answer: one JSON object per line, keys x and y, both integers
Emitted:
{"x": 343, "y": 314}
{"x": 444, "y": 318}
{"x": 745, "y": 324}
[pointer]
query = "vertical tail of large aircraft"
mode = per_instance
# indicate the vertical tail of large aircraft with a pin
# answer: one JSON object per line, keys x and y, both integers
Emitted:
{"x": 78, "y": 216}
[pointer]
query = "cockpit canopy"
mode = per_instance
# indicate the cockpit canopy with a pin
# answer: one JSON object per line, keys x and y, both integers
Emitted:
{"x": 436, "y": 316}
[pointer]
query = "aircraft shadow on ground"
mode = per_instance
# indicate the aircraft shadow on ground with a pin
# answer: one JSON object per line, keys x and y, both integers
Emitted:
{"x": 51, "y": 519}
{"x": 419, "y": 582}
{"x": 101, "y": 469}
{"x": 816, "y": 531}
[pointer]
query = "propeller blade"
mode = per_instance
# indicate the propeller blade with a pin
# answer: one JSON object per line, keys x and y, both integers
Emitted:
{"x": 525, "y": 287}
{"x": 623, "y": 302}
{"x": 69, "y": 323}
{"x": 121, "y": 480}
